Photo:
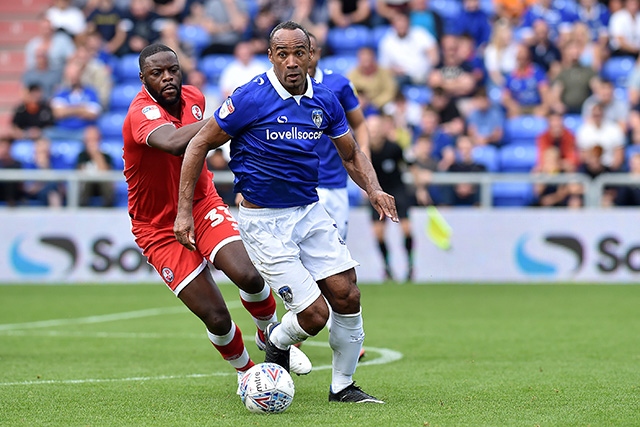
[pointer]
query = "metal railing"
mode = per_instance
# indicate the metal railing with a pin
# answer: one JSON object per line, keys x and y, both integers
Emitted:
{"x": 593, "y": 189}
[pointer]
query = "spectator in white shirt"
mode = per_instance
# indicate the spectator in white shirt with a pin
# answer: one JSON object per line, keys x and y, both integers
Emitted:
{"x": 244, "y": 68}
{"x": 624, "y": 30}
{"x": 605, "y": 133}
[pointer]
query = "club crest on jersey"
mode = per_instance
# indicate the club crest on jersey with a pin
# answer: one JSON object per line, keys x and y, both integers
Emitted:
{"x": 226, "y": 108}
{"x": 197, "y": 112}
{"x": 286, "y": 294}
{"x": 316, "y": 116}
{"x": 151, "y": 112}
{"x": 167, "y": 274}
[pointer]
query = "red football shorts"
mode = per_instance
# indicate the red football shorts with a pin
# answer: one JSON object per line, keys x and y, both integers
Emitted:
{"x": 214, "y": 228}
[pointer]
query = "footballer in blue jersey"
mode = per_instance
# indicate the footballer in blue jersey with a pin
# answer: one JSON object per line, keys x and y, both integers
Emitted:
{"x": 332, "y": 176}
{"x": 274, "y": 123}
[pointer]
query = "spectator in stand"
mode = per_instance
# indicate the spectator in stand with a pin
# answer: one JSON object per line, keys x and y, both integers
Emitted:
{"x": 485, "y": 122}
{"x": 460, "y": 159}
{"x": 527, "y": 88}
{"x": 211, "y": 94}
{"x": 544, "y": 51}
{"x": 500, "y": 53}
{"x": 90, "y": 160}
{"x": 241, "y": 70}
{"x": 624, "y": 30}
{"x": 511, "y": 10}
{"x": 595, "y": 17}
{"x": 66, "y": 17}
{"x": 225, "y": 20}
{"x": 573, "y": 84}
{"x": 371, "y": 80}
{"x": 599, "y": 131}
{"x": 42, "y": 75}
{"x": 95, "y": 73}
{"x": 469, "y": 54}
{"x": 387, "y": 9}
{"x": 633, "y": 94}
{"x": 43, "y": 193}
{"x": 454, "y": 75}
{"x": 553, "y": 195}
{"x": 422, "y": 166}
{"x": 449, "y": 116}
{"x": 592, "y": 165}
{"x": 389, "y": 163}
{"x": 75, "y": 106}
{"x": 169, "y": 37}
{"x": 142, "y": 25}
{"x": 409, "y": 52}
{"x": 591, "y": 53}
{"x": 33, "y": 115}
{"x": 558, "y": 136}
{"x": 421, "y": 15}
{"x": 106, "y": 20}
{"x": 58, "y": 45}
{"x": 558, "y": 21}
{"x": 173, "y": 10}
{"x": 629, "y": 195}
{"x": 475, "y": 22}
{"x": 430, "y": 126}
{"x": 343, "y": 13}
{"x": 10, "y": 191}
{"x": 615, "y": 109}
{"x": 406, "y": 116}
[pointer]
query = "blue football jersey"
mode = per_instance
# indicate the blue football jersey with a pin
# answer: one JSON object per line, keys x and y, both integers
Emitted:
{"x": 331, "y": 173}
{"x": 273, "y": 137}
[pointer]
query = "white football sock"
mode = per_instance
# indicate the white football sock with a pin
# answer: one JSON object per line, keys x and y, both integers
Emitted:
{"x": 288, "y": 332}
{"x": 346, "y": 338}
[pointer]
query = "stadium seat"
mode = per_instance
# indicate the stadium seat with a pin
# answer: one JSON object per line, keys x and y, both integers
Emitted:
{"x": 122, "y": 95}
{"x": 195, "y": 36}
{"x": 121, "y": 194}
{"x": 22, "y": 150}
{"x": 347, "y": 41}
{"x": 512, "y": 194}
{"x": 523, "y": 129}
{"x": 448, "y": 9}
{"x": 377, "y": 33}
{"x": 487, "y": 155}
{"x": 110, "y": 124}
{"x": 518, "y": 157}
{"x": 113, "y": 147}
{"x": 339, "y": 64}
{"x": 127, "y": 69}
{"x": 573, "y": 122}
{"x": 213, "y": 65}
{"x": 419, "y": 94}
{"x": 617, "y": 69}
{"x": 64, "y": 154}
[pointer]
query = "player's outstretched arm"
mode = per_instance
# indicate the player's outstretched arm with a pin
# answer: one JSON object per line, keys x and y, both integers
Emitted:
{"x": 211, "y": 136}
{"x": 172, "y": 140}
{"x": 361, "y": 171}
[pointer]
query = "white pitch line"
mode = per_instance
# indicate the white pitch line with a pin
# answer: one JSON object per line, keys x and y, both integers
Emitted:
{"x": 386, "y": 356}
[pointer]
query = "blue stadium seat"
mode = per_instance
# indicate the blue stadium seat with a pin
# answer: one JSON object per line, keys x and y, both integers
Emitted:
{"x": 113, "y": 147}
{"x": 573, "y": 122}
{"x": 64, "y": 154}
{"x": 448, "y": 9}
{"x": 195, "y": 36}
{"x": 122, "y": 94}
{"x": 419, "y": 94}
{"x": 487, "y": 155}
{"x": 127, "y": 69}
{"x": 617, "y": 69}
{"x": 121, "y": 194}
{"x": 213, "y": 65}
{"x": 339, "y": 64}
{"x": 512, "y": 194}
{"x": 518, "y": 157}
{"x": 22, "y": 150}
{"x": 110, "y": 124}
{"x": 347, "y": 41}
{"x": 524, "y": 129}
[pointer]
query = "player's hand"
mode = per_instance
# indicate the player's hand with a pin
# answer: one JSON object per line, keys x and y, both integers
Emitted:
{"x": 183, "y": 229}
{"x": 385, "y": 204}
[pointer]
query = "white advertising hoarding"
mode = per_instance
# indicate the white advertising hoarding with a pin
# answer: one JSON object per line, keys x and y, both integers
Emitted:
{"x": 508, "y": 245}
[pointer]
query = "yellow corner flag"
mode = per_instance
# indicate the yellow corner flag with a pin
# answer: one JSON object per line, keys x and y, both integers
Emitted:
{"x": 437, "y": 228}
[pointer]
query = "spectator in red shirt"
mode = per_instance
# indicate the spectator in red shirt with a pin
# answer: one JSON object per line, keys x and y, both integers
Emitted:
{"x": 557, "y": 135}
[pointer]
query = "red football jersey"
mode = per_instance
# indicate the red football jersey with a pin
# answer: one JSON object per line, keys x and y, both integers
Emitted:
{"x": 153, "y": 176}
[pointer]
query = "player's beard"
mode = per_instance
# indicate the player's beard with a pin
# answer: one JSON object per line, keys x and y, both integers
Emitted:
{"x": 166, "y": 102}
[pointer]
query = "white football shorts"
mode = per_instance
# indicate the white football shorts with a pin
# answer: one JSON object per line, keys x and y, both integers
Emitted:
{"x": 292, "y": 248}
{"x": 336, "y": 202}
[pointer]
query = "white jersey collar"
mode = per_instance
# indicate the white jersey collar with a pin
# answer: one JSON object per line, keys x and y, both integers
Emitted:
{"x": 319, "y": 75}
{"x": 284, "y": 94}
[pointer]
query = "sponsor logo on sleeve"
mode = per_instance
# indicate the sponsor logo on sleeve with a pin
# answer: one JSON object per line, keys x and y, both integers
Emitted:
{"x": 151, "y": 112}
{"x": 226, "y": 108}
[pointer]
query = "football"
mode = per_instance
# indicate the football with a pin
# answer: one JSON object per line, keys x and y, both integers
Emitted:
{"x": 267, "y": 388}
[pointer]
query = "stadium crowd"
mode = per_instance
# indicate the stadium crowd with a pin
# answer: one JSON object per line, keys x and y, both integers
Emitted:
{"x": 539, "y": 86}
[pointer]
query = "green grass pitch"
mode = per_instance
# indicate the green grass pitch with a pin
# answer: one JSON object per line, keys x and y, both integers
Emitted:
{"x": 472, "y": 355}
